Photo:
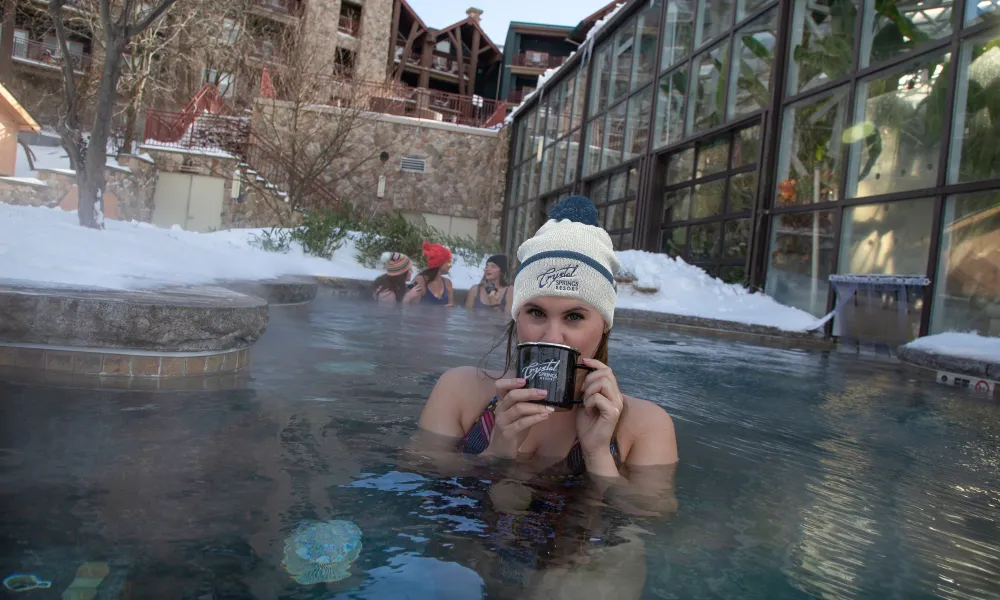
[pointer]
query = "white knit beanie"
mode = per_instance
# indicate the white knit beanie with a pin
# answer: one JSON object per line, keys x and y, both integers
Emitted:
{"x": 570, "y": 256}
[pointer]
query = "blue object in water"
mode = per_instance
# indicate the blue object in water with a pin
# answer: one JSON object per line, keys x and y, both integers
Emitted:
{"x": 322, "y": 552}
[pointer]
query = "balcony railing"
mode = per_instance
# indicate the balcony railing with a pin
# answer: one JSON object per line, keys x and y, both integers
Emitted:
{"x": 349, "y": 25}
{"x": 440, "y": 64}
{"x": 402, "y": 100}
{"x": 538, "y": 61}
{"x": 47, "y": 54}
{"x": 292, "y": 8}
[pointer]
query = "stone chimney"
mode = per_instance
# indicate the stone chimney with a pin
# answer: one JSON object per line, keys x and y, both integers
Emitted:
{"x": 475, "y": 14}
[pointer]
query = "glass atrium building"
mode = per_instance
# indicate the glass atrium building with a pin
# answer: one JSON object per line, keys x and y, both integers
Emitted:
{"x": 776, "y": 143}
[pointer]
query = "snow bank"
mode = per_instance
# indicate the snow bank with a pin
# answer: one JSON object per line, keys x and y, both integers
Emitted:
{"x": 48, "y": 245}
{"x": 53, "y": 158}
{"x": 962, "y": 345}
{"x": 684, "y": 289}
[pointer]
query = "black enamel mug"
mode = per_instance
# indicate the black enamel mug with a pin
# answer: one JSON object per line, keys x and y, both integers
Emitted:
{"x": 550, "y": 367}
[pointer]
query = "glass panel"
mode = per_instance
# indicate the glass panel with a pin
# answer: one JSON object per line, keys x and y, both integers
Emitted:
{"x": 809, "y": 157}
{"x": 633, "y": 183}
{"x": 567, "y": 106}
{"x": 737, "y": 238}
{"x": 616, "y": 217}
{"x": 525, "y": 183}
{"x": 522, "y": 130}
{"x": 967, "y": 286}
{"x": 713, "y": 156}
{"x": 745, "y": 8}
{"x": 637, "y": 134}
{"x": 715, "y": 17}
{"x": 822, "y": 41}
{"x": 554, "y": 115}
{"x": 519, "y": 226}
{"x": 614, "y": 137}
{"x": 621, "y": 61}
{"x": 528, "y": 143}
{"x": 677, "y": 32}
{"x": 894, "y": 28}
{"x": 648, "y": 31}
{"x": 574, "y": 157}
{"x": 672, "y": 90}
{"x": 545, "y": 184}
{"x": 741, "y": 192}
{"x": 512, "y": 192}
{"x": 705, "y": 109}
{"x": 746, "y": 146}
{"x": 595, "y": 137}
{"x": 977, "y": 11}
{"x": 712, "y": 270}
{"x": 753, "y": 52}
{"x": 708, "y": 199}
{"x": 680, "y": 166}
{"x": 801, "y": 260}
{"x": 599, "y": 191}
{"x": 975, "y": 150}
{"x": 886, "y": 239}
{"x": 630, "y": 214}
{"x": 602, "y": 73}
{"x": 617, "y": 189}
{"x": 735, "y": 275}
{"x": 559, "y": 166}
{"x": 895, "y": 140}
{"x": 529, "y": 220}
{"x": 580, "y": 97}
{"x": 704, "y": 241}
{"x": 677, "y": 205}
{"x": 674, "y": 241}
{"x": 626, "y": 241}
{"x": 600, "y": 214}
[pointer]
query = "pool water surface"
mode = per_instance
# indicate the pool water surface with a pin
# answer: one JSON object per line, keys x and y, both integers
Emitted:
{"x": 803, "y": 474}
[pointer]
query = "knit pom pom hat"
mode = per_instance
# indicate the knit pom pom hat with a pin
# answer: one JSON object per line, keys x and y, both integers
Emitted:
{"x": 436, "y": 255}
{"x": 396, "y": 263}
{"x": 570, "y": 256}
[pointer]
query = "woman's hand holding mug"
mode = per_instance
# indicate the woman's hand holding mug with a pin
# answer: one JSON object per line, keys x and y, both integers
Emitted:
{"x": 516, "y": 412}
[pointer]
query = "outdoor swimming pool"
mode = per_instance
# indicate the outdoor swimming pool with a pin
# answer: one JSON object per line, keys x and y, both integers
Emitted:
{"x": 803, "y": 474}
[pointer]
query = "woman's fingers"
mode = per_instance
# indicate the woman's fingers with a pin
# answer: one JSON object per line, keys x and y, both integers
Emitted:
{"x": 608, "y": 409}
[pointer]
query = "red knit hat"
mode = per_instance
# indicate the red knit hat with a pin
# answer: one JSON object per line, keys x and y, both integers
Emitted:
{"x": 436, "y": 255}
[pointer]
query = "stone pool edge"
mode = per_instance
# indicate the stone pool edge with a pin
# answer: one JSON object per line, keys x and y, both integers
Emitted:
{"x": 754, "y": 334}
{"x": 932, "y": 361}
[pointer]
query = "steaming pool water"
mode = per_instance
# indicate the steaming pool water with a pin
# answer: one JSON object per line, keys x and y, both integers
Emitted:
{"x": 803, "y": 474}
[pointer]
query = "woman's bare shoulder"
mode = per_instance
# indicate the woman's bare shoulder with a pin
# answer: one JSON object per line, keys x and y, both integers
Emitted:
{"x": 644, "y": 417}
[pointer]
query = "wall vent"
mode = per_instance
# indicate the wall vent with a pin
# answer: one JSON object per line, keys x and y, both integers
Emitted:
{"x": 413, "y": 164}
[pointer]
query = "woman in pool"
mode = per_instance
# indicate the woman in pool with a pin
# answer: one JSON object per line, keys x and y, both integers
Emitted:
{"x": 431, "y": 286}
{"x": 564, "y": 293}
{"x": 492, "y": 291}
{"x": 391, "y": 287}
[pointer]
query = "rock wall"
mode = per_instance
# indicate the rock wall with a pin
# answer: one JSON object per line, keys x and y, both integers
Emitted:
{"x": 371, "y": 44}
{"x": 464, "y": 173}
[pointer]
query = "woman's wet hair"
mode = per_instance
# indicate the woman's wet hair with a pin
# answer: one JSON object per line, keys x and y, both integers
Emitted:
{"x": 391, "y": 283}
{"x": 429, "y": 275}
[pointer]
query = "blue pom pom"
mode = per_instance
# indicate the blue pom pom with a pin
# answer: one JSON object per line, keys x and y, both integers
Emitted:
{"x": 578, "y": 209}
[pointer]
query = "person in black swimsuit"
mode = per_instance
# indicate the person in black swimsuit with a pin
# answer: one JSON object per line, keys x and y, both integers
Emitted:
{"x": 564, "y": 293}
{"x": 492, "y": 292}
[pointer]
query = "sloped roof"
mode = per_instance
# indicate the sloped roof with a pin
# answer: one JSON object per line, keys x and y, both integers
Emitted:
{"x": 9, "y": 104}
{"x": 474, "y": 23}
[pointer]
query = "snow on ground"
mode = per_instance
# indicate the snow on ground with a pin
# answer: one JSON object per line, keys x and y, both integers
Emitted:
{"x": 687, "y": 290}
{"x": 42, "y": 244}
{"x": 963, "y": 345}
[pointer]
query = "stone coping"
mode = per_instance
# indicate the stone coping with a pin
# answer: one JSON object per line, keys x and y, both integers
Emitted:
{"x": 224, "y": 381}
{"x": 111, "y": 363}
{"x": 756, "y": 334}
{"x": 972, "y": 367}
{"x": 281, "y": 291}
{"x": 180, "y": 319}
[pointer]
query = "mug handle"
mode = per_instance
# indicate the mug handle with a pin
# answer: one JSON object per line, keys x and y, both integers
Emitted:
{"x": 586, "y": 368}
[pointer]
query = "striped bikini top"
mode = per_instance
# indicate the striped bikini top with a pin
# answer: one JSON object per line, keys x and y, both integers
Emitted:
{"x": 477, "y": 440}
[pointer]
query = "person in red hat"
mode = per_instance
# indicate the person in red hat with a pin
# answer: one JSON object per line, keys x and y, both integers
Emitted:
{"x": 431, "y": 286}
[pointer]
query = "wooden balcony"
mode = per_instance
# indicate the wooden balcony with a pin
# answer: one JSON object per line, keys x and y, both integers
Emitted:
{"x": 286, "y": 11}
{"x": 47, "y": 56}
{"x": 440, "y": 65}
{"x": 537, "y": 61}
